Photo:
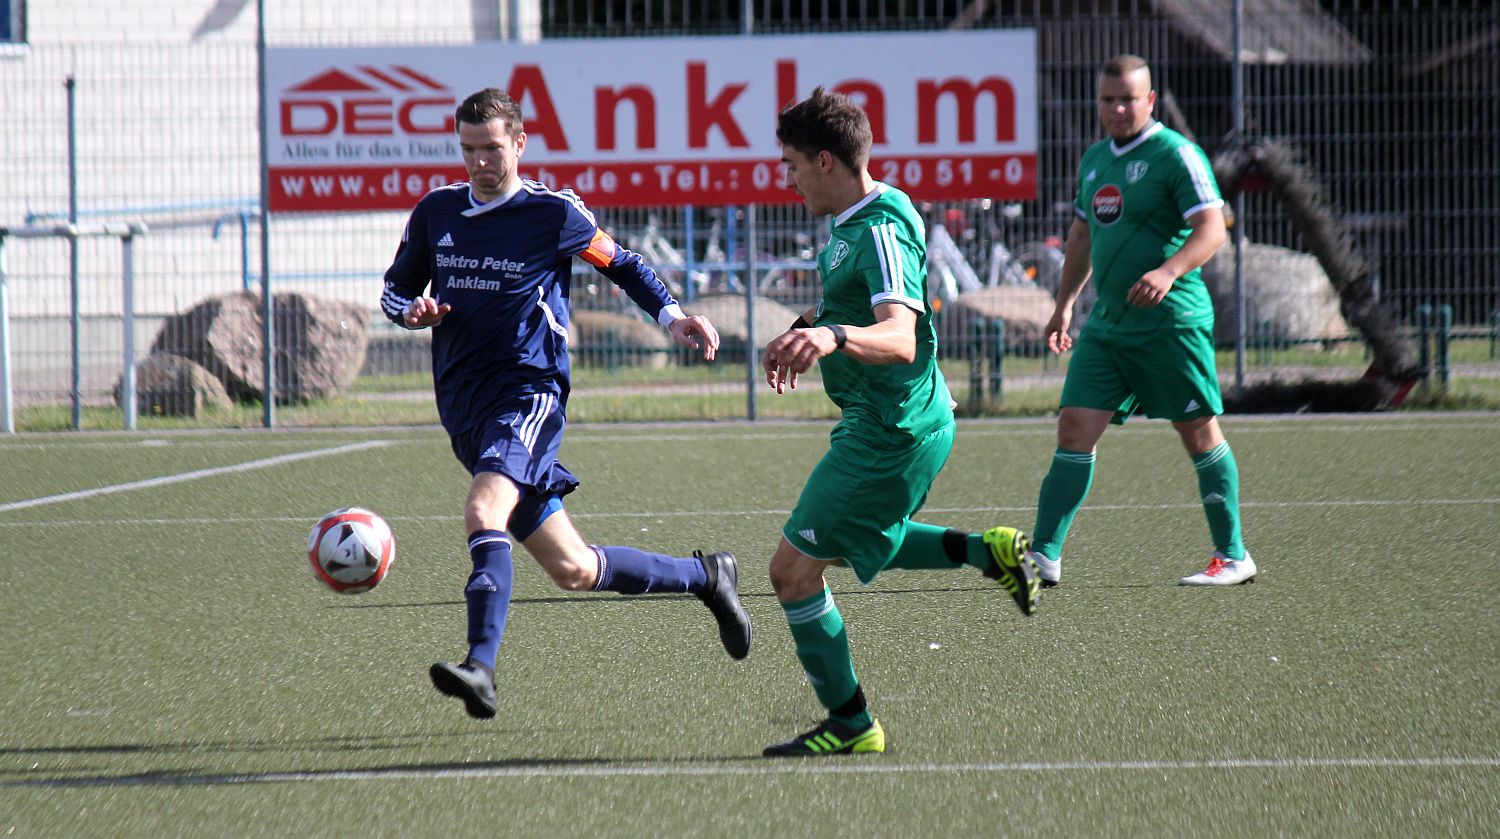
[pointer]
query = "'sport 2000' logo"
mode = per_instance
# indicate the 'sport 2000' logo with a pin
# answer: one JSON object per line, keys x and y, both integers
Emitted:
{"x": 1109, "y": 204}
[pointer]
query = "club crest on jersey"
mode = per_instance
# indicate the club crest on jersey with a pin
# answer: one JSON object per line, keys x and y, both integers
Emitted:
{"x": 1109, "y": 205}
{"x": 840, "y": 250}
{"x": 1135, "y": 170}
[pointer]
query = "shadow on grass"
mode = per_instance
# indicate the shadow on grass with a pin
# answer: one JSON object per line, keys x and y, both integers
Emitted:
{"x": 584, "y": 599}
{"x": 520, "y": 767}
{"x": 334, "y": 744}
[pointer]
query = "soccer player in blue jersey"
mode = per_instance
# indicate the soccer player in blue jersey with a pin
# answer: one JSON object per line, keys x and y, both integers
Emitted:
{"x": 496, "y": 253}
{"x": 871, "y": 334}
{"x": 1149, "y": 215}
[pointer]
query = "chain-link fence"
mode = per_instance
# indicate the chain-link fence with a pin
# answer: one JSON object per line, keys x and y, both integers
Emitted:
{"x": 1384, "y": 110}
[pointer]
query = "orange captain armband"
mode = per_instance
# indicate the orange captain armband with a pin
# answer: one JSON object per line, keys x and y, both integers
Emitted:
{"x": 601, "y": 250}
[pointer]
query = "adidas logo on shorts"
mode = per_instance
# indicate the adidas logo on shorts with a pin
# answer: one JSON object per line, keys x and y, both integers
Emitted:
{"x": 809, "y": 535}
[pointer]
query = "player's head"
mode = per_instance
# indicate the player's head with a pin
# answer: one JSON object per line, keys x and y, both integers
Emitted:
{"x": 825, "y": 140}
{"x": 490, "y": 103}
{"x": 830, "y": 122}
{"x": 1125, "y": 96}
{"x": 492, "y": 141}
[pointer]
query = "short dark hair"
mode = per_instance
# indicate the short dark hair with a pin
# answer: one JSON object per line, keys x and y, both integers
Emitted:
{"x": 1118, "y": 66}
{"x": 490, "y": 103}
{"x": 827, "y": 121}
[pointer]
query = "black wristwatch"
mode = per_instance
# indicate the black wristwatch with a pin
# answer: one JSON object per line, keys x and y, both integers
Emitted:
{"x": 840, "y": 337}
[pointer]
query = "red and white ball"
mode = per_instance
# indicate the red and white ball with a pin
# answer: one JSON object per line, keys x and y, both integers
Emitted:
{"x": 351, "y": 550}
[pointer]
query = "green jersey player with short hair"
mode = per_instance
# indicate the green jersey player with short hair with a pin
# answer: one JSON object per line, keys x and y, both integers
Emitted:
{"x": 1164, "y": 179}
{"x": 873, "y": 337}
{"x": 876, "y": 254}
{"x": 1148, "y": 216}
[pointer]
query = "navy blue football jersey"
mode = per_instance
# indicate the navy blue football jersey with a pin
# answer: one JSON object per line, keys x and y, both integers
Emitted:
{"x": 505, "y": 267}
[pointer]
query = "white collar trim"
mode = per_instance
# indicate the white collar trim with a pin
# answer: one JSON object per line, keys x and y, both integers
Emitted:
{"x": 478, "y": 208}
{"x": 1150, "y": 129}
{"x": 860, "y": 204}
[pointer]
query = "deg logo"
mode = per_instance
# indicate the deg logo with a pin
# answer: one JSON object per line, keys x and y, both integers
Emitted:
{"x": 1109, "y": 205}
{"x": 367, "y": 101}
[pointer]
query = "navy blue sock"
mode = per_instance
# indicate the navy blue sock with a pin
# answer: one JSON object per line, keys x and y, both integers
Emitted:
{"x": 488, "y": 593}
{"x": 632, "y": 571}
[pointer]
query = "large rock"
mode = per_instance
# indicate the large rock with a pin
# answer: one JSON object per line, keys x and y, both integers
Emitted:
{"x": 1025, "y": 310}
{"x": 173, "y": 386}
{"x": 727, "y": 313}
{"x": 320, "y": 344}
{"x": 610, "y": 338}
{"x": 393, "y": 350}
{"x": 1285, "y": 289}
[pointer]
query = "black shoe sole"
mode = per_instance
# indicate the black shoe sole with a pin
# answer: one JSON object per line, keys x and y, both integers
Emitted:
{"x": 1050, "y": 583}
{"x": 449, "y": 683}
{"x": 1026, "y": 578}
{"x": 728, "y": 612}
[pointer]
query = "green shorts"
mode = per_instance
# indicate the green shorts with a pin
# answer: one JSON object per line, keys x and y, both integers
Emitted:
{"x": 1168, "y": 374}
{"x": 860, "y": 496}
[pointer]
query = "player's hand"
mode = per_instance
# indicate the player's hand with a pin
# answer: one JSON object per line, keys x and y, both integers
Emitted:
{"x": 795, "y": 351}
{"x": 426, "y": 311}
{"x": 695, "y": 331}
{"x": 1058, "y": 339}
{"x": 1150, "y": 289}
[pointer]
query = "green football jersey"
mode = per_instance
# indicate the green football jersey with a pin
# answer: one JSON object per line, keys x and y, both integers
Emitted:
{"x": 1136, "y": 200}
{"x": 878, "y": 254}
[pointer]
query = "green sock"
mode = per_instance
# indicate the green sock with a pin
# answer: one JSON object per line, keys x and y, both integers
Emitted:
{"x": 927, "y": 547}
{"x": 1063, "y": 491}
{"x": 1219, "y": 485}
{"x": 823, "y": 649}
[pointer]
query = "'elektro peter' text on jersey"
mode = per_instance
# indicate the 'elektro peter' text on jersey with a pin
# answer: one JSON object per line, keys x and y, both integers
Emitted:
{"x": 878, "y": 254}
{"x": 1136, "y": 200}
{"x": 504, "y": 267}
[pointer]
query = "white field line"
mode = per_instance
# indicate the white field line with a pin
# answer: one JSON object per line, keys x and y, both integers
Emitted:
{"x": 663, "y": 514}
{"x": 190, "y": 476}
{"x": 197, "y": 441}
{"x": 799, "y": 430}
{"x": 767, "y": 768}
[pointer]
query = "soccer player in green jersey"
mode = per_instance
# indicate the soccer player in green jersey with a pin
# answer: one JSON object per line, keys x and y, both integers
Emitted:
{"x": 872, "y": 334}
{"x": 1148, "y": 215}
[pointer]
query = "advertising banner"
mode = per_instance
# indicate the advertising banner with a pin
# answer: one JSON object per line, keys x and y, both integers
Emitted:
{"x": 652, "y": 121}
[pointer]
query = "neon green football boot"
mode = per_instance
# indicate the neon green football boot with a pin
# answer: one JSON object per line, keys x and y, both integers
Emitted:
{"x": 831, "y": 738}
{"x": 1010, "y": 565}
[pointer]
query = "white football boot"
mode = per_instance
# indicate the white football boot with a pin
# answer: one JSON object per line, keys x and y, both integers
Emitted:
{"x": 1049, "y": 570}
{"x": 1223, "y": 571}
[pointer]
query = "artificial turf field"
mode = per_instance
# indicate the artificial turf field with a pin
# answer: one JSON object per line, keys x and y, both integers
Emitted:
{"x": 169, "y": 667}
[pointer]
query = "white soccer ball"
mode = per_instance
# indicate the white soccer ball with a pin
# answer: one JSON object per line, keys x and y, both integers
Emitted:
{"x": 351, "y": 550}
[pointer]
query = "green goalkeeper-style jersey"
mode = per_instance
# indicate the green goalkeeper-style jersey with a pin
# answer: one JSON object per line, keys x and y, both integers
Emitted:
{"x": 878, "y": 254}
{"x": 1136, "y": 200}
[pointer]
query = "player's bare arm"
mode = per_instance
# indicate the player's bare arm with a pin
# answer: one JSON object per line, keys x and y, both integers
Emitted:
{"x": 425, "y": 311}
{"x": 1077, "y": 266}
{"x": 892, "y": 339}
{"x": 697, "y": 332}
{"x": 1208, "y": 235}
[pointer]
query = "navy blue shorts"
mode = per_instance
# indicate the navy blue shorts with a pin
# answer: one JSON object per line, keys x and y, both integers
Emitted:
{"x": 521, "y": 442}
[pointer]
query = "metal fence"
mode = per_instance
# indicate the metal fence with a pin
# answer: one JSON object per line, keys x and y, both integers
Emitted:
{"x": 1389, "y": 106}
